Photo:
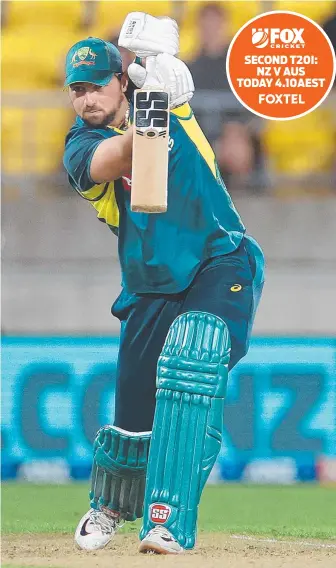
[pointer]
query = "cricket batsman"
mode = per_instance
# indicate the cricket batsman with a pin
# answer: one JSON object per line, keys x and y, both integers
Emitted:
{"x": 191, "y": 284}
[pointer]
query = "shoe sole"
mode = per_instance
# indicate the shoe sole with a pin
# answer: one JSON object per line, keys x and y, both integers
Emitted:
{"x": 154, "y": 548}
{"x": 79, "y": 547}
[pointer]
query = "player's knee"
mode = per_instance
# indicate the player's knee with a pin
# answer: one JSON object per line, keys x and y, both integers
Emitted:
{"x": 196, "y": 354}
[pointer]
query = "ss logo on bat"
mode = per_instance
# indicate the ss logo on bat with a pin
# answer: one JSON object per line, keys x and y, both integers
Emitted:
{"x": 152, "y": 109}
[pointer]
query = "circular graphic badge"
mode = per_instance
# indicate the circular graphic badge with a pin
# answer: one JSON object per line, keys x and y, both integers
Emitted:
{"x": 281, "y": 65}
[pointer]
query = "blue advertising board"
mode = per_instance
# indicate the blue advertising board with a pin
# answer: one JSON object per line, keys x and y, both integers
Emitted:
{"x": 280, "y": 407}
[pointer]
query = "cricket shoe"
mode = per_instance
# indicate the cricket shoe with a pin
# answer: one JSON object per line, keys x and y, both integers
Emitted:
{"x": 96, "y": 529}
{"x": 160, "y": 541}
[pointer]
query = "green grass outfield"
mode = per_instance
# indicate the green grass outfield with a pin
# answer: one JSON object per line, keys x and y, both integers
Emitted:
{"x": 298, "y": 511}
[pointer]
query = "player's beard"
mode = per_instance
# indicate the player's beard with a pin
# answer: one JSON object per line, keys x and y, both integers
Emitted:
{"x": 105, "y": 119}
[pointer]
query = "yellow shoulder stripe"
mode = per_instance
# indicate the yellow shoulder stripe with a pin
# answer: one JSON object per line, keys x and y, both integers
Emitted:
{"x": 183, "y": 111}
{"x": 193, "y": 130}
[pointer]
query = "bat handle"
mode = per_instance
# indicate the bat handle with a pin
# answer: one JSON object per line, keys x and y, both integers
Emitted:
{"x": 151, "y": 70}
{"x": 150, "y": 64}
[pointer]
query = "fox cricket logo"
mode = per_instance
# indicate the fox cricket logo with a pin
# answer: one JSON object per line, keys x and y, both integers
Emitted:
{"x": 159, "y": 513}
{"x": 151, "y": 113}
{"x": 83, "y": 56}
{"x": 289, "y": 38}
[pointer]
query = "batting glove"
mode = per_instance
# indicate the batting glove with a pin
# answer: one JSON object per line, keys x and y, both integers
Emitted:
{"x": 145, "y": 35}
{"x": 165, "y": 72}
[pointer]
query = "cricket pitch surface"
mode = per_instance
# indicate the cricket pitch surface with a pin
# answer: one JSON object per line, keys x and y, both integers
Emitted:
{"x": 213, "y": 551}
{"x": 239, "y": 527}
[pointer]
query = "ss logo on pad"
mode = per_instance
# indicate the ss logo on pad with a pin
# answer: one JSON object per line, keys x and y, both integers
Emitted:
{"x": 159, "y": 513}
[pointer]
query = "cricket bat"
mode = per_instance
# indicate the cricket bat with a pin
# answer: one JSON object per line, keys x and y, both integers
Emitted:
{"x": 150, "y": 151}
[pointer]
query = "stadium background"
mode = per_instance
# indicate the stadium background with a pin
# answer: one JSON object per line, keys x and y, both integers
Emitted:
{"x": 60, "y": 271}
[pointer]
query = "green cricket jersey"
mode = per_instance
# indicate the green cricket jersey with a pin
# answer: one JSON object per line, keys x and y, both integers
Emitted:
{"x": 161, "y": 253}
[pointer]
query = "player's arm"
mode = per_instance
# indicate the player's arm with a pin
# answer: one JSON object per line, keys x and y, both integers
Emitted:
{"x": 112, "y": 158}
{"x": 80, "y": 147}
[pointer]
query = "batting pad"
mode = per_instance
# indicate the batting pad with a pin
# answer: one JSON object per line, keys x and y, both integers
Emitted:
{"x": 119, "y": 471}
{"x": 187, "y": 432}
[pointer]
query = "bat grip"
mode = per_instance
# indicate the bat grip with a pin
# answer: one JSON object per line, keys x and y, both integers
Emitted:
{"x": 150, "y": 64}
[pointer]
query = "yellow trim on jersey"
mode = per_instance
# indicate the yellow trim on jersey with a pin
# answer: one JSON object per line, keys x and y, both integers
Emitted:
{"x": 94, "y": 193}
{"x": 183, "y": 111}
{"x": 193, "y": 130}
{"x": 105, "y": 201}
{"x": 102, "y": 198}
{"x": 117, "y": 129}
{"x": 107, "y": 207}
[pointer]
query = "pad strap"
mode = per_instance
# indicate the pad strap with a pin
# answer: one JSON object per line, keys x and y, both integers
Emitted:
{"x": 119, "y": 471}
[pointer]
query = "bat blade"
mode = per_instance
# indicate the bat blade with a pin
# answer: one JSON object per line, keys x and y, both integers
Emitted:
{"x": 150, "y": 151}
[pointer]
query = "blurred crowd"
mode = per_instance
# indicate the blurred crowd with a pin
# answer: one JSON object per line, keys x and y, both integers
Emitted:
{"x": 237, "y": 146}
{"x": 250, "y": 152}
